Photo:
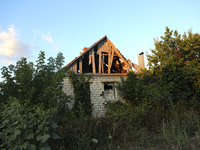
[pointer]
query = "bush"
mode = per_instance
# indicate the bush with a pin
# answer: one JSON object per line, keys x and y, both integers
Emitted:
{"x": 129, "y": 88}
{"x": 75, "y": 131}
{"x": 26, "y": 127}
{"x": 180, "y": 128}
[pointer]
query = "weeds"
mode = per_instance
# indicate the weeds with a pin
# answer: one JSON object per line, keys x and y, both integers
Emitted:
{"x": 125, "y": 127}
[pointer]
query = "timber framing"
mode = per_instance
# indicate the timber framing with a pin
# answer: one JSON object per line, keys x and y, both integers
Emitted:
{"x": 101, "y": 58}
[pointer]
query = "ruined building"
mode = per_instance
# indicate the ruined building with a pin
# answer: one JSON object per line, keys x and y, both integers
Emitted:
{"x": 105, "y": 63}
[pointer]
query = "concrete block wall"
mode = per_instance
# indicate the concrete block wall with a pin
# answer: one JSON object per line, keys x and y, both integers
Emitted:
{"x": 69, "y": 90}
{"x": 98, "y": 94}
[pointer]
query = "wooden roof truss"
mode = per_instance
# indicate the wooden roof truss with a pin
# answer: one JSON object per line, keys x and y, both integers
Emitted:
{"x": 102, "y": 57}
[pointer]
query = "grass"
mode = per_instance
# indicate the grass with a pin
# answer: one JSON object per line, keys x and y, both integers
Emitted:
{"x": 125, "y": 127}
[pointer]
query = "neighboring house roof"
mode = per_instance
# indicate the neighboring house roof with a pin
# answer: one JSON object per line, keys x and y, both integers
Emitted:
{"x": 101, "y": 57}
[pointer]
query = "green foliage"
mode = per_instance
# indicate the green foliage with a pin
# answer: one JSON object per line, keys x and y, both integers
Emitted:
{"x": 179, "y": 127}
{"x": 40, "y": 83}
{"x": 76, "y": 131}
{"x": 85, "y": 132}
{"x": 129, "y": 88}
{"x": 174, "y": 73}
{"x": 26, "y": 127}
{"x": 175, "y": 48}
{"x": 175, "y": 63}
{"x": 81, "y": 92}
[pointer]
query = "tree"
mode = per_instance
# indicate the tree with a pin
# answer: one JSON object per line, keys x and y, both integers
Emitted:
{"x": 175, "y": 48}
{"x": 174, "y": 73}
{"x": 175, "y": 62}
{"x": 35, "y": 84}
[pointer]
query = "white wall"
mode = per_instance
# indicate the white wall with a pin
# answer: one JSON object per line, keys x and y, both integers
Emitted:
{"x": 99, "y": 96}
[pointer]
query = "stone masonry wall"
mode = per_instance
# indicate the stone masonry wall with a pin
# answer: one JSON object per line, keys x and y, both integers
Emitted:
{"x": 102, "y": 89}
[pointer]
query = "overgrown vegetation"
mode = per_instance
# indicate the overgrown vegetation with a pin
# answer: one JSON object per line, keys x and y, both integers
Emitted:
{"x": 81, "y": 92}
{"x": 161, "y": 109}
{"x": 26, "y": 127}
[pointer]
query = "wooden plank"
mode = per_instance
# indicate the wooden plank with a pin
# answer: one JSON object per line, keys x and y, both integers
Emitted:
{"x": 75, "y": 67}
{"x": 111, "y": 59}
{"x": 80, "y": 65}
{"x": 90, "y": 56}
{"x": 72, "y": 68}
{"x": 100, "y": 62}
{"x": 109, "y": 56}
{"x": 93, "y": 63}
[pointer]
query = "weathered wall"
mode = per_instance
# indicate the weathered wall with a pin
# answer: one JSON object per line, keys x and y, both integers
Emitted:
{"x": 101, "y": 90}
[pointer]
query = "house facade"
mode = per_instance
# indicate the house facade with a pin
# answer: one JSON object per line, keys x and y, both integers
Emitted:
{"x": 106, "y": 65}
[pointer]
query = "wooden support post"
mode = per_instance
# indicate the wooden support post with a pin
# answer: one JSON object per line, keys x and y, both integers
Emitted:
{"x": 111, "y": 59}
{"x": 109, "y": 56}
{"x": 93, "y": 63}
{"x": 80, "y": 65}
{"x": 100, "y": 62}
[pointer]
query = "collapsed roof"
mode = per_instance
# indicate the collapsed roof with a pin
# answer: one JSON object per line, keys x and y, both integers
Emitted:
{"x": 102, "y": 58}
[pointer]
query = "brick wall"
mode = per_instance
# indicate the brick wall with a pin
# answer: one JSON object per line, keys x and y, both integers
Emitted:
{"x": 102, "y": 89}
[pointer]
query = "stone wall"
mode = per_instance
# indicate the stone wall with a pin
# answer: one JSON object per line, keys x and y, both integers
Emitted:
{"x": 102, "y": 89}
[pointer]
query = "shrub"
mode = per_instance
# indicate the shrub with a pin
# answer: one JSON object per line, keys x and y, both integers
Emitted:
{"x": 129, "y": 88}
{"x": 180, "y": 128}
{"x": 26, "y": 127}
{"x": 75, "y": 131}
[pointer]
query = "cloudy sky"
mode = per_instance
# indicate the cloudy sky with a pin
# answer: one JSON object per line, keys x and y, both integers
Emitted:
{"x": 29, "y": 26}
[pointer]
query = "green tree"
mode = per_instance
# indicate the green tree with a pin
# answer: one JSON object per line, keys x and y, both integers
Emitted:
{"x": 175, "y": 63}
{"x": 37, "y": 84}
{"x": 174, "y": 72}
{"x": 175, "y": 48}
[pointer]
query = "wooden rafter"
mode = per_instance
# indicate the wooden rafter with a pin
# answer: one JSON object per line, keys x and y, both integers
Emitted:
{"x": 118, "y": 53}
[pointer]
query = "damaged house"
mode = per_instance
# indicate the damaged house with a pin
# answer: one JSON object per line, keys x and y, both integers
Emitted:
{"x": 105, "y": 63}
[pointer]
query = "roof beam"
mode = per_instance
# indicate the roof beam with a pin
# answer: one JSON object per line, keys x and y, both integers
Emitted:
{"x": 118, "y": 53}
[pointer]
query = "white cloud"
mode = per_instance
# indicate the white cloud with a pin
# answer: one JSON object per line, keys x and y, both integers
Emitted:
{"x": 12, "y": 48}
{"x": 12, "y": 30}
{"x": 45, "y": 37}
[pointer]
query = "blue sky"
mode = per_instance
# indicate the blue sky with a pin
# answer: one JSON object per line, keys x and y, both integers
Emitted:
{"x": 28, "y": 26}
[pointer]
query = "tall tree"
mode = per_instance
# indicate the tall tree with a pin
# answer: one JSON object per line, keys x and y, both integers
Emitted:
{"x": 175, "y": 61}
{"x": 36, "y": 84}
{"x": 176, "y": 48}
